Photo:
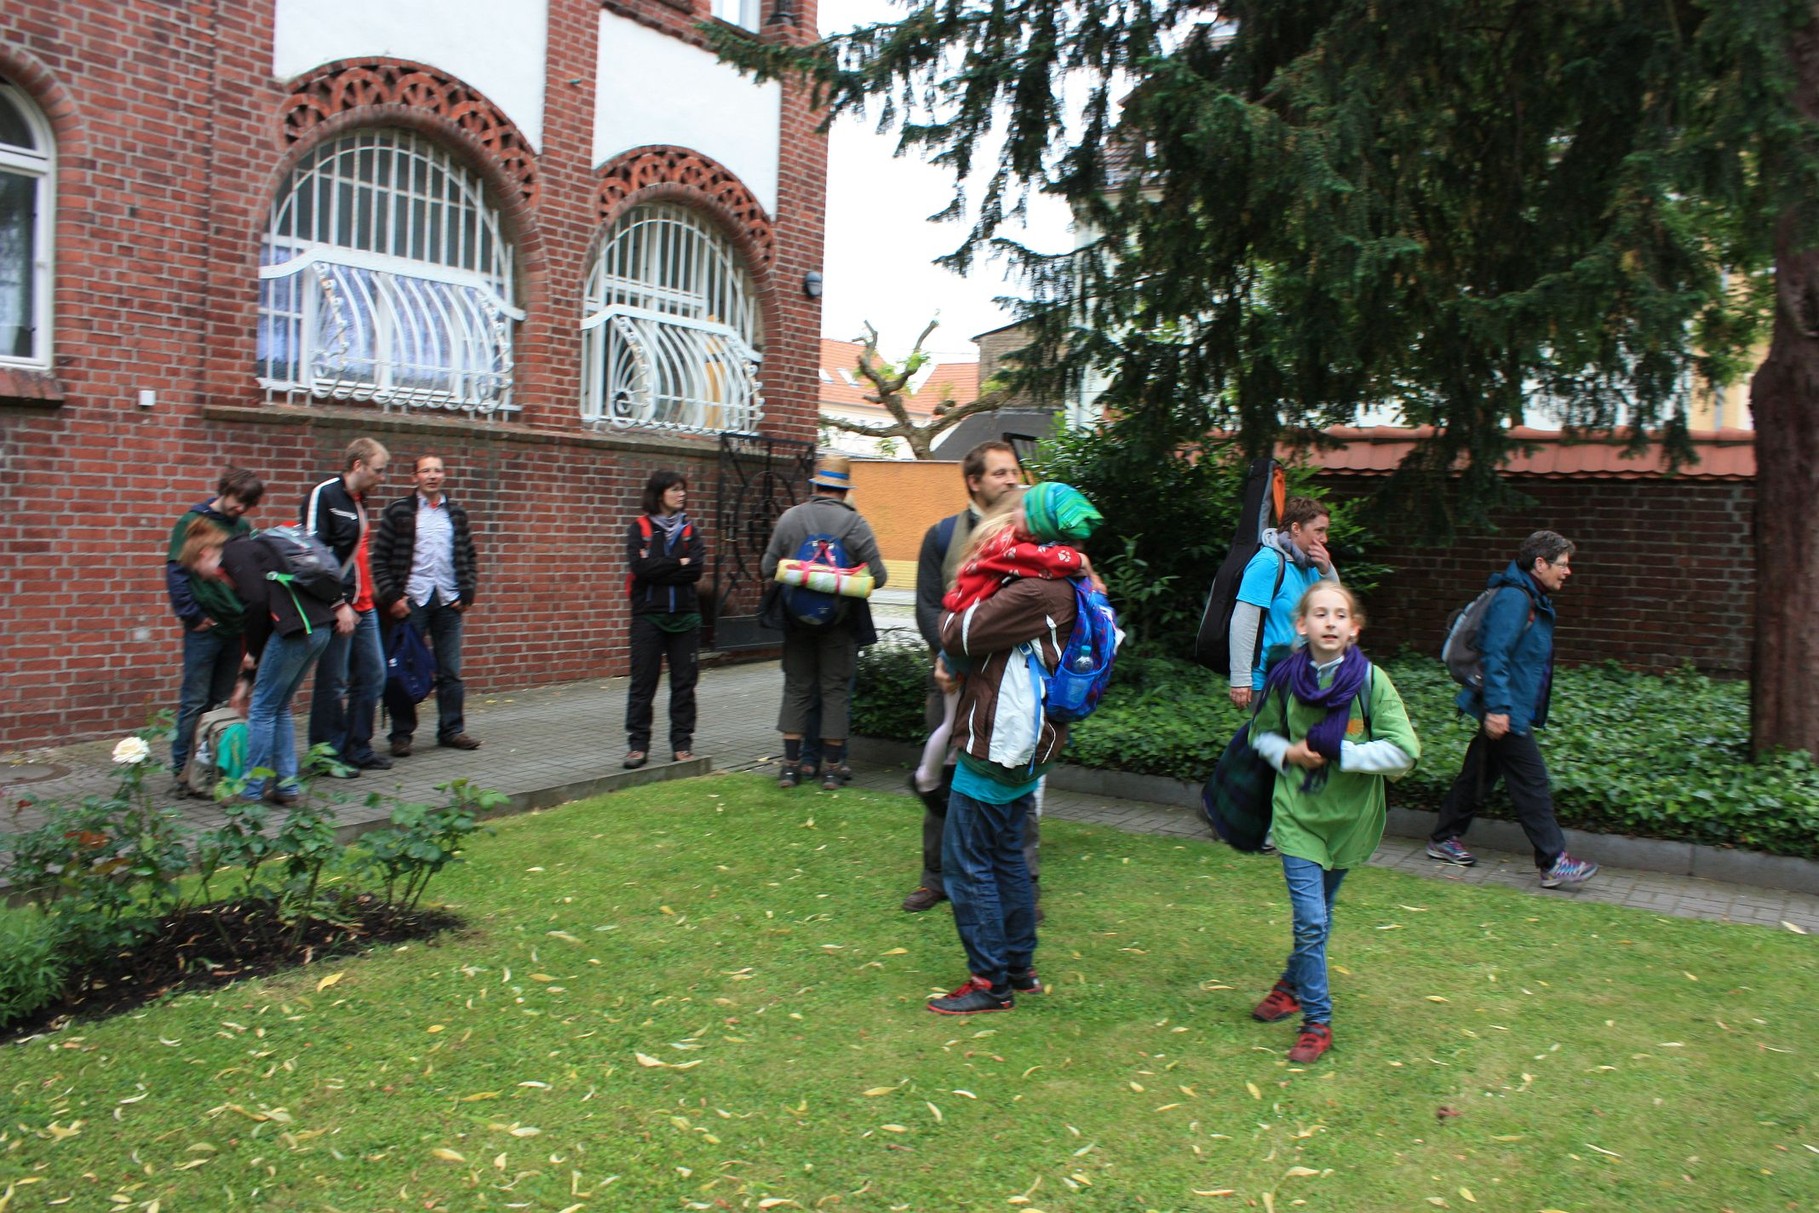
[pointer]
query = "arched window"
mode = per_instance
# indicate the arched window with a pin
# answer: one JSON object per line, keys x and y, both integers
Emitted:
{"x": 672, "y": 336}
{"x": 385, "y": 277}
{"x": 27, "y": 214}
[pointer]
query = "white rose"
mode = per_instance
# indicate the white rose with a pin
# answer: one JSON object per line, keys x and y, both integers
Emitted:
{"x": 131, "y": 751}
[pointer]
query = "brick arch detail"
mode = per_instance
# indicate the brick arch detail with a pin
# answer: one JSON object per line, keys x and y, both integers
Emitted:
{"x": 54, "y": 101}
{"x": 680, "y": 174}
{"x": 381, "y": 87}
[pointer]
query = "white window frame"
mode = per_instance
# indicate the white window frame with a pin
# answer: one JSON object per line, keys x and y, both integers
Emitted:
{"x": 40, "y": 164}
{"x": 375, "y": 292}
{"x": 671, "y": 336}
{"x": 747, "y": 14}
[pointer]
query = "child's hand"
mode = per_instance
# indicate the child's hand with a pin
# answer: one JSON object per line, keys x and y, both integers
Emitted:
{"x": 1300, "y": 756}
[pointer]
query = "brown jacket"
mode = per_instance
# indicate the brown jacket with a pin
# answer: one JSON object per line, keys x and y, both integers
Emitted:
{"x": 1000, "y": 720}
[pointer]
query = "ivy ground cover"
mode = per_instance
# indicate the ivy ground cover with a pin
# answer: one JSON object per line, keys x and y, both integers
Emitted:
{"x": 702, "y": 996}
{"x": 1660, "y": 756}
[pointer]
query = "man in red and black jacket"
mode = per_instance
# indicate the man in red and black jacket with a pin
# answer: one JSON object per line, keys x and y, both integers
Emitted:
{"x": 353, "y": 665}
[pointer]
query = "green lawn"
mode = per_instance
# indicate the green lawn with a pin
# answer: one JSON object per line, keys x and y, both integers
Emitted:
{"x": 701, "y": 995}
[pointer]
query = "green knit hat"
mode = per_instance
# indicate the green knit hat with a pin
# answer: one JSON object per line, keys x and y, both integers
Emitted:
{"x": 1059, "y": 513}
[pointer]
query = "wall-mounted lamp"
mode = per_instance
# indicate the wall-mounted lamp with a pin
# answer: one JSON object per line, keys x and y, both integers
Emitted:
{"x": 811, "y": 284}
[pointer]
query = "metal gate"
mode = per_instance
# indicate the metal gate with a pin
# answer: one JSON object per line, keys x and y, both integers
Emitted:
{"x": 760, "y": 477}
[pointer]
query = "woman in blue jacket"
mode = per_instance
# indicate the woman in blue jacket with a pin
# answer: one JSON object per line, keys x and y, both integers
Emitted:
{"x": 667, "y": 555}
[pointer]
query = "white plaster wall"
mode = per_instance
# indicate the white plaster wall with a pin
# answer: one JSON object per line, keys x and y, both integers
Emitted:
{"x": 653, "y": 88}
{"x": 497, "y": 46}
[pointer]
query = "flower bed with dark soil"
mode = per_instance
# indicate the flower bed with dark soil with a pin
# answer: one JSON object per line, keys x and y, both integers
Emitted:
{"x": 210, "y": 946}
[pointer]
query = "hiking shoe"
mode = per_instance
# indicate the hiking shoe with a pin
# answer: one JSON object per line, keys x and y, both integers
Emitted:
{"x": 1277, "y": 1005}
{"x": 970, "y": 999}
{"x": 1025, "y": 981}
{"x": 1315, "y": 1039}
{"x": 1451, "y": 852}
{"x": 374, "y": 762}
{"x": 1568, "y": 871}
{"x": 401, "y": 747}
{"x": 284, "y": 797}
{"x": 831, "y": 781}
{"x": 923, "y": 898}
{"x": 635, "y": 759}
{"x": 789, "y": 776}
{"x": 460, "y": 741}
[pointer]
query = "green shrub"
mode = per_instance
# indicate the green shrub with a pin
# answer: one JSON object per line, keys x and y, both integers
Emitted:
{"x": 892, "y": 691}
{"x": 32, "y": 966}
{"x": 1662, "y": 756}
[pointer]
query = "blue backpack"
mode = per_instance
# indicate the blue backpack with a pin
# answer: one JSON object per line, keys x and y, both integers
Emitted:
{"x": 1074, "y": 688}
{"x": 409, "y": 666}
{"x": 815, "y": 608}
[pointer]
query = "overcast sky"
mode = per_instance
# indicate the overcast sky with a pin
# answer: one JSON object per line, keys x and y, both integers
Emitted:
{"x": 880, "y": 247}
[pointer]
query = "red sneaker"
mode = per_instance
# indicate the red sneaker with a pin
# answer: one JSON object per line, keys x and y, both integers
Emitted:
{"x": 972, "y": 998}
{"x": 1315, "y": 1039}
{"x": 1277, "y": 1005}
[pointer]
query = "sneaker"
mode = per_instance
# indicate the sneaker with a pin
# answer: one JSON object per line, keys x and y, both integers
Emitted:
{"x": 1025, "y": 981}
{"x": 460, "y": 741}
{"x": 1315, "y": 1039}
{"x": 923, "y": 898}
{"x": 1269, "y": 844}
{"x": 831, "y": 781}
{"x": 970, "y": 999}
{"x": 1278, "y": 1004}
{"x": 1451, "y": 852}
{"x": 401, "y": 747}
{"x": 789, "y": 776}
{"x": 1568, "y": 871}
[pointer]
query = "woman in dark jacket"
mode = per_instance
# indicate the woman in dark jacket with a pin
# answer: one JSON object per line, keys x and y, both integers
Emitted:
{"x": 667, "y": 555}
{"x": 286, "y": 630}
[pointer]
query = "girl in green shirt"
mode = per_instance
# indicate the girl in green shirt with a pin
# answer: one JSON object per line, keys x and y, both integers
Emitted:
{"x": 1334, "y": 728}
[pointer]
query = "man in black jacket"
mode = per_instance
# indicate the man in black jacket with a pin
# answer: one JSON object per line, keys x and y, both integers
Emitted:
{"x": 424, "y": 574}
{"x": 991, "y": 473}
{"x": 353, "y": 665}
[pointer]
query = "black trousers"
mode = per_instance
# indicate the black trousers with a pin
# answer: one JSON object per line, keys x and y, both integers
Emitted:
{"x": 1514, "y": 758}
{"x": 651, "y": 647}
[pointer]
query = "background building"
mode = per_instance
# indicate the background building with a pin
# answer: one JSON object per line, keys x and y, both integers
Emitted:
{"x": 553, "y": 241}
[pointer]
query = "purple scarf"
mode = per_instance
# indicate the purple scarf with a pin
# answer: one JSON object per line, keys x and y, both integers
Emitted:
{"x": 1297, "y": 675}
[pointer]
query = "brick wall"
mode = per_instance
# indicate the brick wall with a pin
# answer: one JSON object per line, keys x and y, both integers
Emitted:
{"x": 171, "y": 141}
{"x": 1663, "y": 575}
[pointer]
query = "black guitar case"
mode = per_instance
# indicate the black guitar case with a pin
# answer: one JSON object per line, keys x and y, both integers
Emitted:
{"x": 1265, "y": 493}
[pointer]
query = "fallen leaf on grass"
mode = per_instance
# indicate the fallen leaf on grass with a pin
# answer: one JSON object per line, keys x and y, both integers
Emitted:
{"x": 447, "y": 1155}
{"x": 1214, "y": 1192}
{"x": 1299, "y": 1172}
{"x": 1467, "y": 1193}
{"x": 935, "y": 1112}
{"x": 1252, "y": 1088}
{"x": 873, "y": 1091}
{"x": 1794, "y": 927}
{"x": 895, "y": 1128}
{"x": 328, "y": 981}
{"x": 652, "y": 1063}
{"x": 777, "y": 1202}
{"x": 1436, "y": 998}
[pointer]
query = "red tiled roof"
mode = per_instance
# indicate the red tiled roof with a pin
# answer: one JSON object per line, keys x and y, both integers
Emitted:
{"x": 955, "y": 380}
{"x": 1723, "y": 454}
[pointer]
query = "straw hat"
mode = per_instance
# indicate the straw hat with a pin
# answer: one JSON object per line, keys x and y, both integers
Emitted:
{"x": 833, "y": 471}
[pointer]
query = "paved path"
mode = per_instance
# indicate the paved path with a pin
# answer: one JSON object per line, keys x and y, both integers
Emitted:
{"x": 556, "y": 743}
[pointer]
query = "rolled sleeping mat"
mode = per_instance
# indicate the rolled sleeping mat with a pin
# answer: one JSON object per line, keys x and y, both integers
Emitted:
{"x": 848, "y": 583}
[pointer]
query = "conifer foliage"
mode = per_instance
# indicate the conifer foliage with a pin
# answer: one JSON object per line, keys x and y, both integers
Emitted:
{"x": 1456, "y": 208}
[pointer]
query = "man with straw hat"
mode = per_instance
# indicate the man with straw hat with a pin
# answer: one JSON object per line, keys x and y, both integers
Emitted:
{"x": 820, "y": 654}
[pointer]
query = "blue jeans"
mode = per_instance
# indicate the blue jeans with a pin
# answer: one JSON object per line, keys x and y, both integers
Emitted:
{"x": 211, "y": 663}
{"x": 271, "y": 739}
{"x": 1311, "y": 889}
{"x": 988, "y": 883}
{"x": 441, "y": 624}
{"x": 354, "y": 666}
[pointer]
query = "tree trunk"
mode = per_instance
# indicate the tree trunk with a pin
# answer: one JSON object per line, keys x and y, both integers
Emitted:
{"x": 1784, "y": 396}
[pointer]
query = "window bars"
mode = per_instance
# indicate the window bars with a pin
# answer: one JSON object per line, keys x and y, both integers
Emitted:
{"x": 671, "y": 338}
{"x": 27, "y": 216}
{"x": 385, "y": 278}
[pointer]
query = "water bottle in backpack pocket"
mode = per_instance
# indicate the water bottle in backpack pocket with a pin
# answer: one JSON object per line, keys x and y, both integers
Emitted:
{"x": 1073, "y": 690}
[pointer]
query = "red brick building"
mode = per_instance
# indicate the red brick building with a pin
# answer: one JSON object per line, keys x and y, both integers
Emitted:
{"x": 553, "y": 241}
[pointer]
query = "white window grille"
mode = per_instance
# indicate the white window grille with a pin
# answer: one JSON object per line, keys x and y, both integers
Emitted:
{"x": 385, "y": 278}
{"x": 27, "y": 219}
{"x": 671, "y": 337}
